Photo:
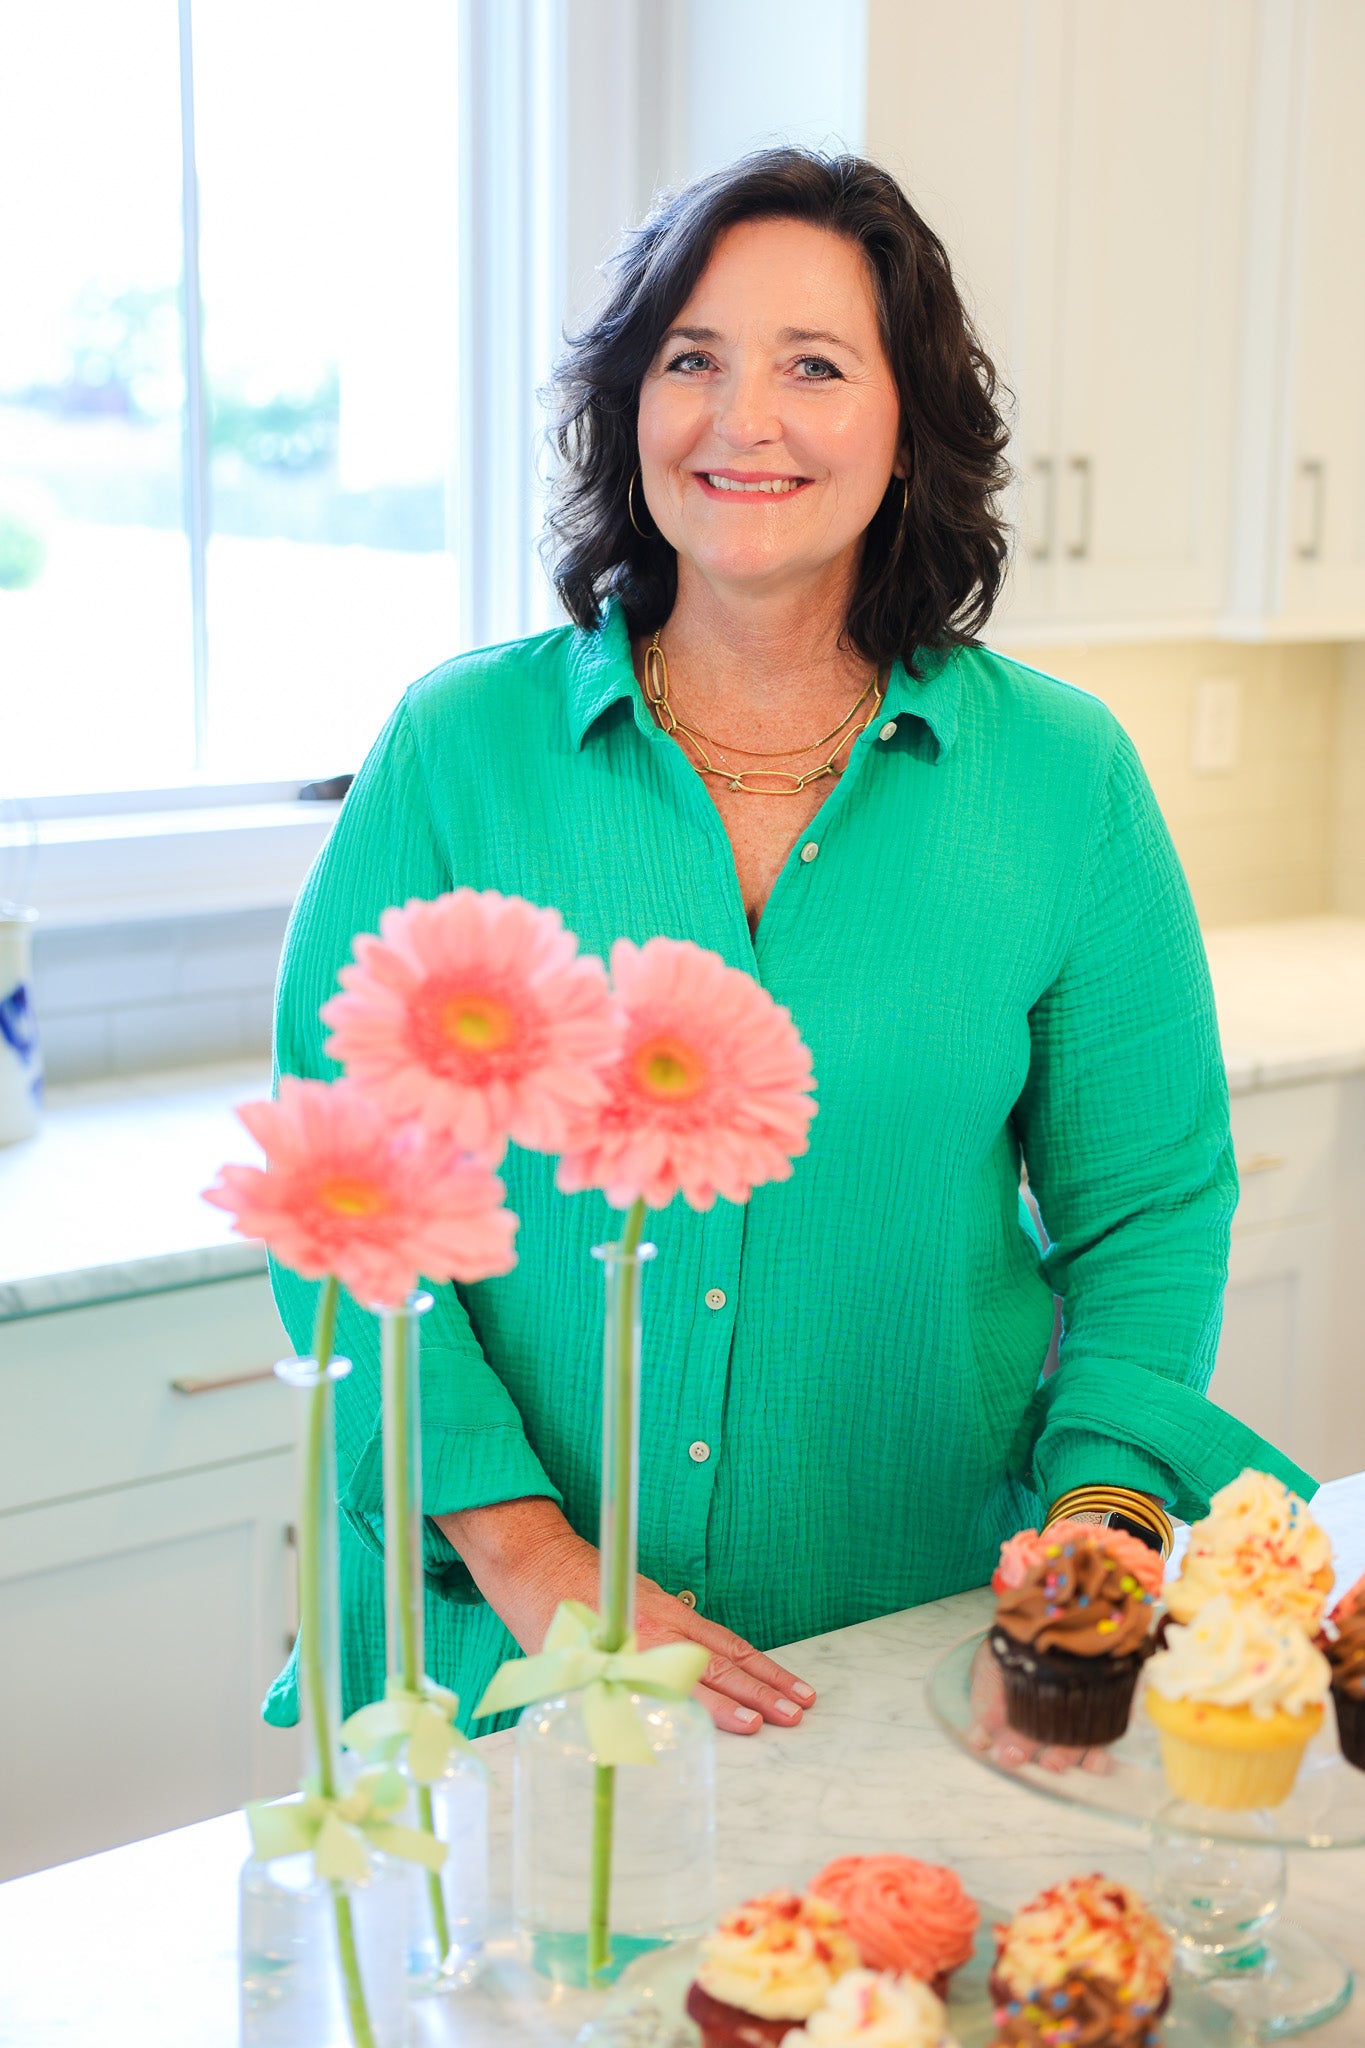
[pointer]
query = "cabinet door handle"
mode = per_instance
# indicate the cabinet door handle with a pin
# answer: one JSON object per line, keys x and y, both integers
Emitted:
{"x": 1260, "y": 1162}
{"x": 1314, "y": 474}
{"x": 1081, "y": 468}
{"x": 241, "y": 1379}
{"x": 1045, "y": 469}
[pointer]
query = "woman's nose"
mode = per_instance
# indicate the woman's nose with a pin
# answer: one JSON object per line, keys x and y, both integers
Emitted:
{"x": 747, "y": 413}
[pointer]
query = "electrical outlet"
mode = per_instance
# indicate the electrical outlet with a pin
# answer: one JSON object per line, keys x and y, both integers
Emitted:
{"x": 1216, "y": 728}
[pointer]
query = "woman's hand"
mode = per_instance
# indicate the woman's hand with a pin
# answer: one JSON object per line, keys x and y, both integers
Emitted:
{"x": 525, "y": 1559}
{"x": 991, "y": 1735}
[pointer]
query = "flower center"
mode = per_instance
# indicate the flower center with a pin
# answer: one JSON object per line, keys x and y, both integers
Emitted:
{"x": 347, "y": 1196}
{"x": 668, "y": 1068}
{"x": 476, "y": 1023}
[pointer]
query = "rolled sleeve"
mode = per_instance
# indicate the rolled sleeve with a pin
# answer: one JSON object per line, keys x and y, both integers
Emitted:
{"x": 1125, "y": 1129}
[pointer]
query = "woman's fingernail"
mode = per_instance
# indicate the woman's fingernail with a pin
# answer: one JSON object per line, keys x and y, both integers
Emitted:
{"x": 787, "y": 1709}
{"x": 802, "y": 1690}
{"x": 746, "y": 1715}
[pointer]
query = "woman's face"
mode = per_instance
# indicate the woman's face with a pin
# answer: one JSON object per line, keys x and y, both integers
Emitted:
{"x": 769, "y": 419}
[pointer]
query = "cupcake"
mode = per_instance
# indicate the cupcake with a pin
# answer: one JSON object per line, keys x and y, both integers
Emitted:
{"x": 1257, "y": 1542}
{"x": 767, "y": 1968}
{"x": 1237, "y": 1696}
{"x": 875, "y": 2009}
{"x": 1073, "y": 1623}
{"x": 903, "y": 1915}
{"x": 1084, "y": 1963}
{"x": 1342, "y": 1643}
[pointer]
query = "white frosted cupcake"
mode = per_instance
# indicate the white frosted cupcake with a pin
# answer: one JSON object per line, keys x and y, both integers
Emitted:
{"x": 875, "y": 2009}
{"x": 1236, "y": 1696}
{"x": 1257, "y": 1542}
{"x": 769, "y": 1965}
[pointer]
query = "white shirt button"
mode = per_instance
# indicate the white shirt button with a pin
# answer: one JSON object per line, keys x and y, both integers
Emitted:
{"x": 688, "y": 1597}
{"x": 888, "y": 730}
{"x": 699, "y": 1452}
{"x": 809, "y": 850}
{"x": 715, "y": 1297}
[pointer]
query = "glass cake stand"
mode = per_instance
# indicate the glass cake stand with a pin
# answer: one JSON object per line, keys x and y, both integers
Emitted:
{"x": 1218, "y": 1878}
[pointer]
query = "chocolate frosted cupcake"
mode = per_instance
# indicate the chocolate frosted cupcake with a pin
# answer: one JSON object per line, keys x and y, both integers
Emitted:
{"x": 1073, "y": 1624}
{"x": 767, "y": 1968}
{"x": 1085, "y": 1964}
{"x": 1342, "y": 1642}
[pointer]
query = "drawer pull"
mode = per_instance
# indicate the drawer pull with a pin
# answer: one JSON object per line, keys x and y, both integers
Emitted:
{"x": 1260, "y": 1162}
{"x": 241, "y": 1379}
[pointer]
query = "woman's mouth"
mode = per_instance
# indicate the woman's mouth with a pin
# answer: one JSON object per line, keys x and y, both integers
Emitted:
{"x": 726, "y": 483}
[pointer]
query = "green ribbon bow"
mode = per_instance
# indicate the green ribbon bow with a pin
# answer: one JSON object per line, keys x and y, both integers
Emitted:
{"x": 338, "y": 1830}
{"x": 572, "y": 1662}
{"x": 424, "y": 1720}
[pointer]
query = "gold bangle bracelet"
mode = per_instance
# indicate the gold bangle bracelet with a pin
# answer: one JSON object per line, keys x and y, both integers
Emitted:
{"x": 1111, "y": 1499}
{"x": 1122, "y": 1500}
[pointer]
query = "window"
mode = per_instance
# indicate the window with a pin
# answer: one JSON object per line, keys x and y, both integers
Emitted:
{"x": 227, "y": 400}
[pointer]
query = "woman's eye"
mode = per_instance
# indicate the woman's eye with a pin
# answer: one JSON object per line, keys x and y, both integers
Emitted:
{"x": 689, "y": 362}
{"x": 816, "y": 369}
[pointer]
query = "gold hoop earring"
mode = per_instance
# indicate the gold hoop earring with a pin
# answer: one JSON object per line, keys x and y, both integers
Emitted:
{"x": 900, "y": 523}
{"x": 630, "y": 506}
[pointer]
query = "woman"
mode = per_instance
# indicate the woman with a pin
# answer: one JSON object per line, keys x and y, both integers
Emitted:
{"x": 771, "y": 730}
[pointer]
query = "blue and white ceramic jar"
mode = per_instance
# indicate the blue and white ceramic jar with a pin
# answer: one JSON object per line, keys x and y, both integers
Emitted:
{"x": 21, "y": 1061}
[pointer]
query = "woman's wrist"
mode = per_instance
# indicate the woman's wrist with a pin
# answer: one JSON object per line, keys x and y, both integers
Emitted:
{"x": 1118, "y": 1507}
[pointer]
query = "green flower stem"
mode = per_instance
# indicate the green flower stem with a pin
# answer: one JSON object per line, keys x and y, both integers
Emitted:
{"x": 397, "y": 1516}
{"x": 361, "y": 2032}
{"x": 312, "y": 1654}
{"x": 620, "y": 1567}
{"x": 603, "y": 1810}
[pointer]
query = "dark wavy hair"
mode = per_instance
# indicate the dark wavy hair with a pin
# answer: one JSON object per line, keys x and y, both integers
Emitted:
{"x": 928, "y": 580}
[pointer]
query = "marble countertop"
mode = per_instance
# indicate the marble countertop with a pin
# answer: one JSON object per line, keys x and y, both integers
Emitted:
{"x": 104, "y": 1202}
{"x": 137, "y": 1948}
{"x": 1291, "y": 999}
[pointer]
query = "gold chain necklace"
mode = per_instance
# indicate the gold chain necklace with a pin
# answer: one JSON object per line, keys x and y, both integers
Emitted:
{"x": 696, "y": 742}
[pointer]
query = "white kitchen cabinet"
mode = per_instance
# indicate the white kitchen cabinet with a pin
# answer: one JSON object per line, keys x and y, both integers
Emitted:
{"x": 1289, "y": 1360}
{"x": 1319, "y": 509}
{"x": 141, "y": 1629}
{"x": 1086, "y": 167}
{"x": 146, "y": 1581}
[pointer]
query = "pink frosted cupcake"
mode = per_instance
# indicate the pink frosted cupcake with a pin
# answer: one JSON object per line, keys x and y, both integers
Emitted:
{"x": 903, "y": 1915}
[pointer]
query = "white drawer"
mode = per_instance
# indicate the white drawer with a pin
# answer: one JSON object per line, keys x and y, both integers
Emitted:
{"x": 89, "y": 1400}
{"x": 1286, "y": 1142}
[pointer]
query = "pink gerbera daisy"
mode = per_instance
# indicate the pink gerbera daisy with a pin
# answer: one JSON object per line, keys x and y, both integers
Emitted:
{"x": 477, "y": 1013}
{"x": 347, "y": 1193}
{"x": 710, "y": 1094}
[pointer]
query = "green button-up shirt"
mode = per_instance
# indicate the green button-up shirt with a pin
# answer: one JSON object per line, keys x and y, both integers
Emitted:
{"x": 985, "y": 938}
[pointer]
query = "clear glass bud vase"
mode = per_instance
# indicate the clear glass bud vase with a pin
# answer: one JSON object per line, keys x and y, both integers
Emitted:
{"x": 322, "y": 1959}
{"x": 661, "y": 1816}
{"x": 447, "y": 1913}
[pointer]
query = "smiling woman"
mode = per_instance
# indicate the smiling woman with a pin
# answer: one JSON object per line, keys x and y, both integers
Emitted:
{"x": 771, "y": 730}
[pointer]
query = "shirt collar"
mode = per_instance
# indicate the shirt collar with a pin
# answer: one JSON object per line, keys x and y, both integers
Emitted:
{"x": 934, "y": 700}
{"x": 601, "y": 674}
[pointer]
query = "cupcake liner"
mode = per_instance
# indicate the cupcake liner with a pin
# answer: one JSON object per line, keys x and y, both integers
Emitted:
{"x": 1233, "y": 1779}
{"x": 729, "y": 2026}
{"x": 1350, "y": 1726}
{"x": 1052, "y": 1696}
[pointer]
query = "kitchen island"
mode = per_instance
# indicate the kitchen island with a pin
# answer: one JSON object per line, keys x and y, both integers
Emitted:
{"x": 137, "y": 1948}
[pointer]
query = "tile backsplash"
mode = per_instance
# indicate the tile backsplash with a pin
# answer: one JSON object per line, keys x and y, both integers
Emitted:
{"x": 1279, "y": 832}
{"x": 122, "y": 998}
